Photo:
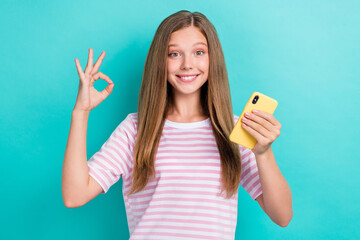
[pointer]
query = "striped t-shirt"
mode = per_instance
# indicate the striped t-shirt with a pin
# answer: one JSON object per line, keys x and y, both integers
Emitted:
{"x": 182, "y": 201}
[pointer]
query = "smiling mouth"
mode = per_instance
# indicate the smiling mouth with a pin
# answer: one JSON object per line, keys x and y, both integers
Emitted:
{"x": 187, "y": 78}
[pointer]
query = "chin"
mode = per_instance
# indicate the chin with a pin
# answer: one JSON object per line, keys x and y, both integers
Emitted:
{"x": 186, "y": 91}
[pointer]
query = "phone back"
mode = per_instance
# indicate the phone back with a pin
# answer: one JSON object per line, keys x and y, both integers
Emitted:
{"x": 257, "y": 101}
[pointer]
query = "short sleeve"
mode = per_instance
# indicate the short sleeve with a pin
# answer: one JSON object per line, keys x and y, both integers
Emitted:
{"x": 114, "y": 159}
{"x": 249, "y": 178}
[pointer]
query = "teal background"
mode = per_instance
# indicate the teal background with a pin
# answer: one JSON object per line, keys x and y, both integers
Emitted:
{"x": 305, "y": 54}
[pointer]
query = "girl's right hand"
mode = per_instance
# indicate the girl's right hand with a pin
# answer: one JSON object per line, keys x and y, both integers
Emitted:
{"x": 88, "y": 97}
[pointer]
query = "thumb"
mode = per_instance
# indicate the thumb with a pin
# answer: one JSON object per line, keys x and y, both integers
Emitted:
{"x": 107, "y": 91}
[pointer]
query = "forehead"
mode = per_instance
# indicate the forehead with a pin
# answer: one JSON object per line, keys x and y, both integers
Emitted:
{"x": 188, "y": 36}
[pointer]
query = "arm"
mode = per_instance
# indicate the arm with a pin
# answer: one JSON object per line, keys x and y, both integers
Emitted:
{"x": 75, "y": 176}
{"x": 276, "y": 199}
{"x": 76, "y": 185}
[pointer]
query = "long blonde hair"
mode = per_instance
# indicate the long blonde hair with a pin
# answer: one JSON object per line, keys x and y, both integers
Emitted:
{"x": 155, "y": 97}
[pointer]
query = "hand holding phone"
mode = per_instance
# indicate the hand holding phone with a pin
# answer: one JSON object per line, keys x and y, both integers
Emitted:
{"x": 257, "y": 101}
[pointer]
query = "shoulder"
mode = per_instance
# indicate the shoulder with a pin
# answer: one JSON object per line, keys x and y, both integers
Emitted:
{"x": 243, "y": 150}
{"x": 132, "y": 117}
{"x": 129, "y": 124}
{"x": 236, "y": 117}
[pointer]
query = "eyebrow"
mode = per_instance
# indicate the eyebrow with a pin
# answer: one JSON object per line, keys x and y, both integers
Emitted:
{"x": 174, "y": 45}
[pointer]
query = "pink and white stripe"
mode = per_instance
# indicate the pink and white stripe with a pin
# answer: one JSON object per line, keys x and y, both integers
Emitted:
{"x": 182, "y": 201}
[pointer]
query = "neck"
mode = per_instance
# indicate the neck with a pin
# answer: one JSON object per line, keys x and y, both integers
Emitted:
{"x": 186, "y": 108}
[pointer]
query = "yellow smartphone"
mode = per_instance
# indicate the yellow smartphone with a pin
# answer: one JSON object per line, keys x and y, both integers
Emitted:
{"x": 257, "y": 101}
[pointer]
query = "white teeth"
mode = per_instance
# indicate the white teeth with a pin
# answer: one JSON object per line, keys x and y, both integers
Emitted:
{"x": 188, "y": 78}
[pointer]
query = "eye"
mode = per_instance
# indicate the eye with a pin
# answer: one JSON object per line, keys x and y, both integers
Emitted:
{"x": 200, "y": 51}
{"x": 173, "y": 54}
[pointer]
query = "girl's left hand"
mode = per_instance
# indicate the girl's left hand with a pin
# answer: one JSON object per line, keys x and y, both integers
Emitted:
{"x": 264, "y": 127}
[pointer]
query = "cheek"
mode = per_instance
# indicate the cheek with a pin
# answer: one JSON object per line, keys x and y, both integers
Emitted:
{"x": 204, "y": 65}
{"x": 172, "y": 66}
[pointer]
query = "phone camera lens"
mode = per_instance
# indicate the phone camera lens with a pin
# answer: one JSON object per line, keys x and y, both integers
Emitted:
{"x": 255, "y": 99}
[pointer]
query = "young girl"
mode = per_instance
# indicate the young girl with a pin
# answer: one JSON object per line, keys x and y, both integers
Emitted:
{"x": 180, "y": 171}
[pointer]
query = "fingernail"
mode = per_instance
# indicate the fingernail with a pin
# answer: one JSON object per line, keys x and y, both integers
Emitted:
{"x": 255, "y": 111}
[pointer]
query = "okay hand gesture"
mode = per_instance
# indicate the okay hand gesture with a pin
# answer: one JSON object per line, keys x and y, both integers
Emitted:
{"x": 88, "y": 97}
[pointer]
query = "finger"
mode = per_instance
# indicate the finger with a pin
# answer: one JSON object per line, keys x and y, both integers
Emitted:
{"x": 257, "y": 127}
{"x": 252, "y": 132}
{"x": 260, "y": 120}
{"x": 98, "y": 62}
{"x": 78, "y": 67}
{"x": 106, "y": 92}
{"x": 89, "y": 65}
{"x": 269, "y": 117}
{"x": 98, "y": 75}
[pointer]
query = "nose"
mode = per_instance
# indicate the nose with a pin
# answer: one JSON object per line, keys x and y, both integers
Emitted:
{"x": 186, "y": 62}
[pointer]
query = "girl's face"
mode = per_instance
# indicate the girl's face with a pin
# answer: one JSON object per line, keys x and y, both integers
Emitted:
{"x": 187, "y": 61}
